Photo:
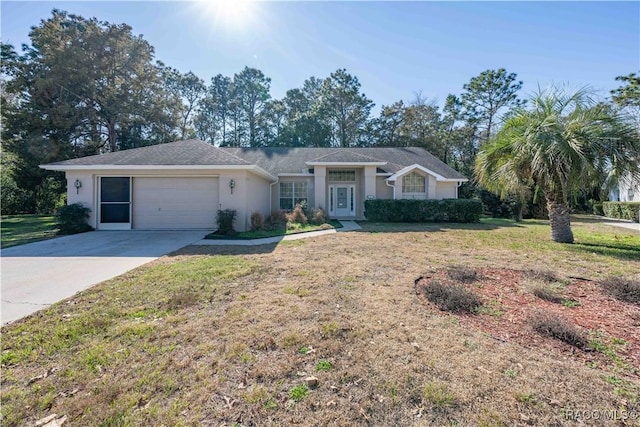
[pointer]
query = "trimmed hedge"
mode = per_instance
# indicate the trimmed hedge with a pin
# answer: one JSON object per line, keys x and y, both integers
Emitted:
{"x": 409, "y": 210}
{"x": 622, "y": 210}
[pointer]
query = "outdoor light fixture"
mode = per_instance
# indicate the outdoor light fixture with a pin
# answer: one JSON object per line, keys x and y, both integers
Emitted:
{"x": 232, "y": 184}
{"x": 77, "y": 184}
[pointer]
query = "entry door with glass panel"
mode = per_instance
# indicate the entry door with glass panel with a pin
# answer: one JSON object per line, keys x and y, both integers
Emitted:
{"x": 115, "y": 203}
{"x": 342, "y": 200}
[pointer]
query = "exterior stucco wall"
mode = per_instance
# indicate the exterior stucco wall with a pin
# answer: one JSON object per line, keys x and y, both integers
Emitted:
{"x": 446, "y": 190}
{"x": 250, "y": 193}
{"x": 85, "y": 195}
{"x": 383, "y": 191}
{"x": 257, "y": 197}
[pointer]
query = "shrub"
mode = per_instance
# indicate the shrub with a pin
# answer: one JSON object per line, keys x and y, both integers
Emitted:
{"x": 623, "y": 289}
{"x": 597, "y": 208}
{"x": 277, "y": 219}
{"x": 257, "y": 221}
{"x": 622, "y": 210}
{"x": 462, "y": 274}
{"x": 552, "y": 326}
{"x": 318, "y": 216}
{"x": 406, "y": 210}
{"x": 541, "y": 276}
{"x": 451, "y": 297}
{"x": 72, "y": 219}
{"x": 297, "y": 216}
{"x": 225, "y": 220}
{"x": 547, "y": 293}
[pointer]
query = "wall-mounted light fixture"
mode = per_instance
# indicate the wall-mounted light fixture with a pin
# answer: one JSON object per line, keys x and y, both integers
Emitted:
{"x": 232, "y": 184}
{"x": 77, "y": 183}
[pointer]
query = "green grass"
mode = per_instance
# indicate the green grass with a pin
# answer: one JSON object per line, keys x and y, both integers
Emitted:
{"x": 261, "y": 234}
{"x": 20, "y": 229}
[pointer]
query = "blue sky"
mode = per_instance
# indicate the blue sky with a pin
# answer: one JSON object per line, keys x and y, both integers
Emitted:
{"x": 394, "y": 48}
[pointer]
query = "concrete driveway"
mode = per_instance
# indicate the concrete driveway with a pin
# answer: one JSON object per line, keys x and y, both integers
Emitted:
{"x": 36, "y": 275}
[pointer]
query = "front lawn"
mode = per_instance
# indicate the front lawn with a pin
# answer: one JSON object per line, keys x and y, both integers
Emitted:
{"x": 20, "y": 229}
{"x": 228, "y": 335}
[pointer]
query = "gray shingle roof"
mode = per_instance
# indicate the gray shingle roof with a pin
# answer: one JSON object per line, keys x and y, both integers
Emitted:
{"x": 344, "y": 156}
{"x": 278, "y": 160}
{"x": 191, "y": 152}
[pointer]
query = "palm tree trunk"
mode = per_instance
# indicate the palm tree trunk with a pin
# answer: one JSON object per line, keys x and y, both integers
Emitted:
{"x": 560, "y": 221}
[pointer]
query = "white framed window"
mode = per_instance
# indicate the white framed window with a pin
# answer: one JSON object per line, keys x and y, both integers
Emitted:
{"x": 413, "y": 183}
{"x": 292, "y": 193}
{"x": 341, "y": 176}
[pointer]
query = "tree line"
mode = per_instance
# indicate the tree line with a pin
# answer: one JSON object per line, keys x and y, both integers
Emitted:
{"x": 85, "y": 86}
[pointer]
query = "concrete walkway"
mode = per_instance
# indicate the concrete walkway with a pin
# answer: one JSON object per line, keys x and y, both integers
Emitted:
{"x": 623, "y": 224}
{"x": 346, "y": 226}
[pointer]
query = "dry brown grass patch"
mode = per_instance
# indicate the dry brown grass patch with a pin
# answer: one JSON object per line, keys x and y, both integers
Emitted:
{"x": 215, "y": 363}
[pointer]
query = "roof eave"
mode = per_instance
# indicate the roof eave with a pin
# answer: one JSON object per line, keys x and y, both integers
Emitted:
{"x": 253, "y": 168}
{"x": 437, "y": 176}
{"x": 312, "y": 163}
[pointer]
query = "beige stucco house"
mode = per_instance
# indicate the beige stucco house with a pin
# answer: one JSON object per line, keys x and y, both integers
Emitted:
{"x": 181, "y": 185}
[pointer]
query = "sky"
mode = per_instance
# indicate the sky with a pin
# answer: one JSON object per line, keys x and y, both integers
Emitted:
{"x": 395, "y": 49}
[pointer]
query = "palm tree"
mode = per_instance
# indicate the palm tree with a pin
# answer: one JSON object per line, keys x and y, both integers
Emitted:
{"x": 563, "y": 143}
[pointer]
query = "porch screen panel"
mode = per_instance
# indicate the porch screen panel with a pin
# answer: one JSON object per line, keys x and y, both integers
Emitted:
{"x": 115, "y": 199}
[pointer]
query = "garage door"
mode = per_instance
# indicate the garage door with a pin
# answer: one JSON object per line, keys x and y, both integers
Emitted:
{"x": 174, "y": 203}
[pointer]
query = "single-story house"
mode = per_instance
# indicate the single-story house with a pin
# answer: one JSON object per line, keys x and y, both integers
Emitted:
{"x": 627, "y": 190}
{"x": 181, "y": 185}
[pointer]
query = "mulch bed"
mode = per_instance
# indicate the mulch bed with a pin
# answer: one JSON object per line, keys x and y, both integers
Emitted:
{"x": 510, "y": 305}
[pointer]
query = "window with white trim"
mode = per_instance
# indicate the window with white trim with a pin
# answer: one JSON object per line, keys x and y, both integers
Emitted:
{"x": 413, "y": 183}
{"x": 291, "y": 194}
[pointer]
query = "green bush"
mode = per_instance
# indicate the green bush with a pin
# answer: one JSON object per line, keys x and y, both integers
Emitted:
{"x": 597, "y": 208}
{"x": 622, "y": 210}
{"x": 407, "y": 210}
{"x": 225, "y": 220}
{"x": 72, "y": 219}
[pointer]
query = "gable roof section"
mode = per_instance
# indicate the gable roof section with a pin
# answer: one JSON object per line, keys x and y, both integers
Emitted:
{"x": 413, "y": 167}
{"x": 192, "y": 152}
{"x": 281, "y": 160}
{"x": 267, "y": 161}
{"x": 345, "y": 156}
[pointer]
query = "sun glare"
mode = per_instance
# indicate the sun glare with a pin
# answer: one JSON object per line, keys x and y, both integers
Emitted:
{"x": 232, "y": 14}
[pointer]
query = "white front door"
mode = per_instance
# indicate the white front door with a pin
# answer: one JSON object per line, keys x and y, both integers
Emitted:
{"x": 342, "y": 201}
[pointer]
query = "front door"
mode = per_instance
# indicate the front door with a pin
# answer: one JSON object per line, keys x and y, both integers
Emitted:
{"x": 342, "y": 201}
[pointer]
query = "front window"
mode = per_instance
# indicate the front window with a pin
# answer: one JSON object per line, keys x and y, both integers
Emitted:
{"x": 413, "y": 183}
{"x": 341, "y": 176}
{"x": 291, "y": 194}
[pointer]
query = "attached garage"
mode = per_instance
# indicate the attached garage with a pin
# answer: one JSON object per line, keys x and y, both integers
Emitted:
{"x": 174, "y": 202}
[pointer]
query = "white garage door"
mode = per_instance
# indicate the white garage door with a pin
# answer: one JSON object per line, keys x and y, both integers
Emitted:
{"x": 174, "y": 203}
